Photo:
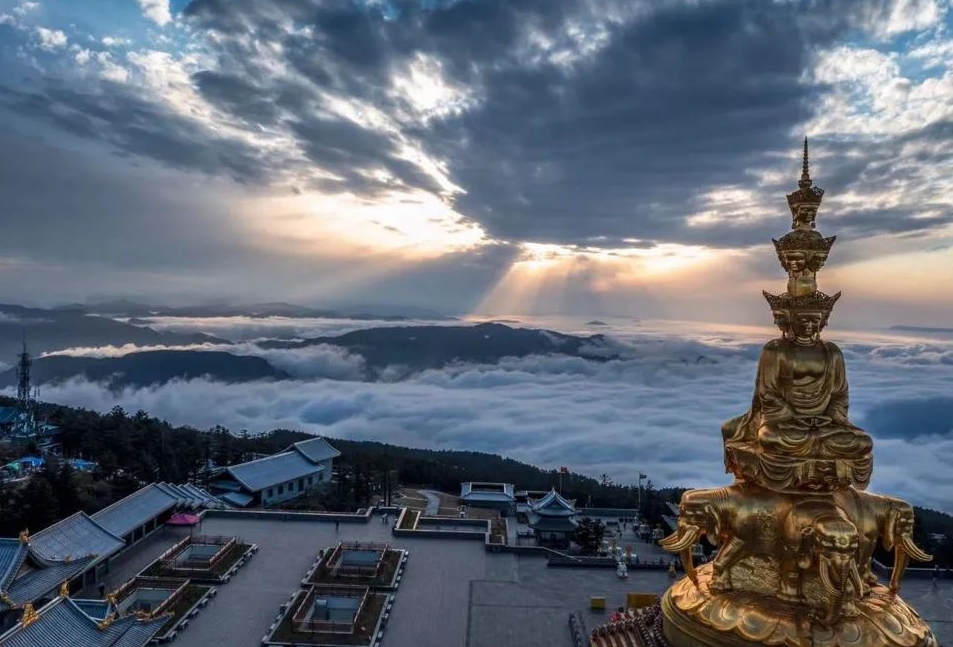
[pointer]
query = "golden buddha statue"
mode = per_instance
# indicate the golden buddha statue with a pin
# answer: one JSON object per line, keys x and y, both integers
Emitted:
{"x": 796, "y": 531}
{"x": 797, "y": 434}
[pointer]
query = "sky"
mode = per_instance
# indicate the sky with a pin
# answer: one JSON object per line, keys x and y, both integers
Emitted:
{"x": 591, "y": 157}
{"x": 657, "y": 409}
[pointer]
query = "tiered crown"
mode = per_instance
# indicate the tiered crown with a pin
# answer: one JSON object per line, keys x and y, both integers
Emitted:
{"x": 815, "y": 302}
{"x": 802, "y": 253}
{"x": 807, "y": 199}
{"x": 798, "y": 240}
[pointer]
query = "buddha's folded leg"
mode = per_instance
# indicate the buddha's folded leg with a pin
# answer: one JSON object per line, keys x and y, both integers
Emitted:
{"x": 844, "y": 443}
{"x": 786, "y": 441}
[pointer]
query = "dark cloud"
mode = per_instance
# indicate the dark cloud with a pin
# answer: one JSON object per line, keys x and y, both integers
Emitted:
{"x": 677, "y": 102}
{"x": 124, "y": 119}
{"x": 912, "y": 419}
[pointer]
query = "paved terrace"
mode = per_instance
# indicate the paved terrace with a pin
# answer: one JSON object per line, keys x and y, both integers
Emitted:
{"x": 452, "y": 593}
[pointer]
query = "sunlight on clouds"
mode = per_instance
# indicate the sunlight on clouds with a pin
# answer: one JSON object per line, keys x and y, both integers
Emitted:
{"x": 50, "y": 39}
{"x": 425, "y": 88}
{"x": 897, "y": 275}
{"x": 546, "y": 275}
{"x": 410, "y": 225}
{"x": 728, "y": 205}
{"x": 905, "y": 15}
{"x": 157, "y": 11}
{"x": 871, "y": 96}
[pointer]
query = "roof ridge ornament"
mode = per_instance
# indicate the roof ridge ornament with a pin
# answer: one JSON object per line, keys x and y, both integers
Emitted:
{"x": 29, "y": 615}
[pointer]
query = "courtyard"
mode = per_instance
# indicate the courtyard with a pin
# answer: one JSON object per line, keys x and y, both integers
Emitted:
{"x": 452, "y": 591}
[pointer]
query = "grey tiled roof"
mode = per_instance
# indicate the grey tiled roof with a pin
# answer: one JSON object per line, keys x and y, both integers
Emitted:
{"x": 315, "y": 449}
{"x": 75, "y": 536}
{"x": 38, "y": 582}
{"x": 62, "y": 622}
{"x": 551, "y": 524}
{"x": 265, "y": 472}
{"x": 553, "y": 505}
{"x": 473, "y": 492}
{"x": 207, "y": 500}
{"x": 95, "y": 609}
{"x": 127, "y": 514}
{"x": 239, "y": 499}
{"x": 12, "y": 554}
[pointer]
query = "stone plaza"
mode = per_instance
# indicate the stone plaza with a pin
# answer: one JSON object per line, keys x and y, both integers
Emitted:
{"x": 453, "y": 592}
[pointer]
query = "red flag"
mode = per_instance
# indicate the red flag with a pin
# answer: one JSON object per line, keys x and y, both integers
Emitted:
{"x": 564, "y": 470}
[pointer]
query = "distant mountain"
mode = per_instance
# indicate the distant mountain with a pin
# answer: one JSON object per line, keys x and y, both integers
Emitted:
{"x": 417, "y": 348}
{"x": 403, "y": 351}
{"x": 923, "y": 329}
{"x": 51, "y": 330}
{"x": 148, "y": 368}
{"x": 134, "y": 309}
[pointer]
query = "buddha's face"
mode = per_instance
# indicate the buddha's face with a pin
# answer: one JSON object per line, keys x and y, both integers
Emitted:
{"x": 796, "y": 262}
{"x": 817, "y": 261}
{"x": 782, "y": 320}
{"x": 807, "y": 325}
{"x": 805, "y": 217}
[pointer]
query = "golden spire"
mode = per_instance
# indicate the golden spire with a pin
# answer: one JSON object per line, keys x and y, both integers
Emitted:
{"x": 64, "y": 589}
{"x": 805, "y": 182}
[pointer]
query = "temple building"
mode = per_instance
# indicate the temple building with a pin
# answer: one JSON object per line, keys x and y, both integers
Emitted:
{"x": 284, "y": 476}
{"x": 553, "y": 520}
{"x": 499, "y": 496}
{"x": 63, "y": 621}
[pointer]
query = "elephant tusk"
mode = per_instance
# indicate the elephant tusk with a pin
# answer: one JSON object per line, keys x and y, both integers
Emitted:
{"x": 824, "y": 564}
{"x": 906, "y": 543}
{"x": 900, "y": 561}
{"x": 689, "y": 565}
{"x": 855, "y": 577}
{"x": 681, "y": 539}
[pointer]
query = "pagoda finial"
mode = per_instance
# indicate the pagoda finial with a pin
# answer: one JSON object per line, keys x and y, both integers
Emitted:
{"x": 805, "y": 182}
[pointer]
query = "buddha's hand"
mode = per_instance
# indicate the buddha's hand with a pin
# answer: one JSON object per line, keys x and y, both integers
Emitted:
{"x": 841, "y": 420}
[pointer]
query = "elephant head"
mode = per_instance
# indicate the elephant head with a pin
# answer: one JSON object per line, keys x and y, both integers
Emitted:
{"x": 695, "y": 520}
{"x": 836, "y": 543}
{"x": 897, "y": 535}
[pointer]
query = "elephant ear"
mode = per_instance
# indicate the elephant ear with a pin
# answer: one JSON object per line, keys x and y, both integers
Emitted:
{"x": 713, "y": 531}
{"x": 805, "y": 548}
{"x": 890, "y": 529}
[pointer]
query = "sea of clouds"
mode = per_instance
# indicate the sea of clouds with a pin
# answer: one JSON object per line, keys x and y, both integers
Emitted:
{"x": 657, "y": 410}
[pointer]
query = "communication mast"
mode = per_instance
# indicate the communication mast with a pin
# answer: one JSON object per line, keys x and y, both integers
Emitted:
{"x": 24, "y": 362}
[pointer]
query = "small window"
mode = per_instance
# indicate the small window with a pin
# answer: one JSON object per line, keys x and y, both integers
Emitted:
{"x": 281, "y": 490}
{"x": 310, "y": 480}
{"x": 300, "y": 484}
{"x": 271, "y": 492}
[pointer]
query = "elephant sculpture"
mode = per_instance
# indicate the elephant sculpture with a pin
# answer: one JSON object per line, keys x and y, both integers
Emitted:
{"x": 746, "y": 520}
{"x": 891, "y": 521}
{"x": 831, "y": 540}
{"x": 739, "y": 519}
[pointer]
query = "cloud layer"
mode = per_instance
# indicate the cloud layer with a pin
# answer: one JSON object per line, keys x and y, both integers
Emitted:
{"x": 658, "y": 410}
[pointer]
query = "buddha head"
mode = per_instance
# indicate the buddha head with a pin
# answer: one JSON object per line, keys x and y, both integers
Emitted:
{"x": 804, "y": 217}
{"x": 806, "y": 325}
{"x": 782, "y": 319}
{"x": 795, "y": 262}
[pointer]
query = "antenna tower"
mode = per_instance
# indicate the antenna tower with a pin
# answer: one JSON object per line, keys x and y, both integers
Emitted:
{"x": 24, "y": 361}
